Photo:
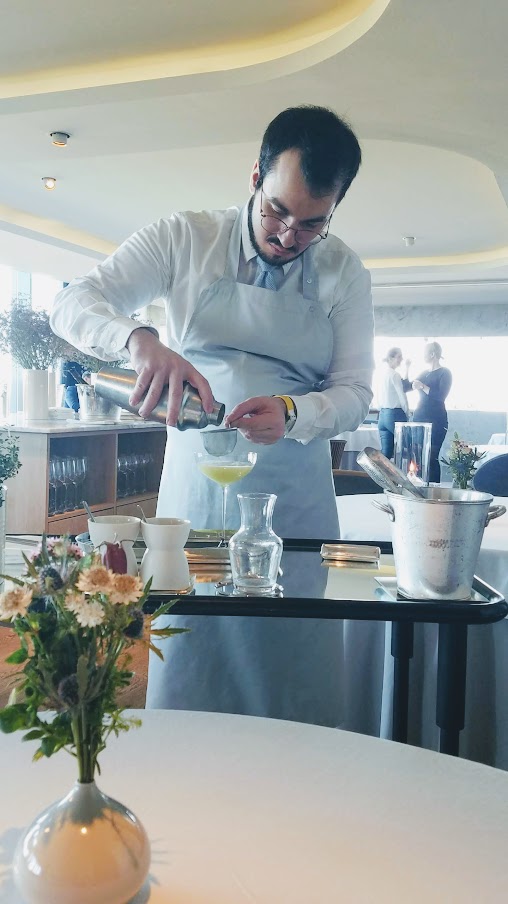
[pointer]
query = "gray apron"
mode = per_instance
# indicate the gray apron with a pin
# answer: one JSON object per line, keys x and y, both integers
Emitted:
{"x": 250, "y": 341}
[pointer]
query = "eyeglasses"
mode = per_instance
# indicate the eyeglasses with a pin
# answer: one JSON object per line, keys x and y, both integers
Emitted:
{"x": 276, "y": 226}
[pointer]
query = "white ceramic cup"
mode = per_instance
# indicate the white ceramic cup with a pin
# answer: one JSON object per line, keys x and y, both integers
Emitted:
{"x": 122, "y": 529}
{"x": 164, "y": 560}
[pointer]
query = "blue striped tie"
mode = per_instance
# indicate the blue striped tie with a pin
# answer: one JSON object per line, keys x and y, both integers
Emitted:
{"x": 268, "y": 275}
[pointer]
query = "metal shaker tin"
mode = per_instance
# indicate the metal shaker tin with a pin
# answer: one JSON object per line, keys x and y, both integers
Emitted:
{"x": 117, "y": 384}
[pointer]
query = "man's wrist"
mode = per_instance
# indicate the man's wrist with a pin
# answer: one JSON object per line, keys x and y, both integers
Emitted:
{"x": 290, "y": 413}
{"x": 137, "y": 333}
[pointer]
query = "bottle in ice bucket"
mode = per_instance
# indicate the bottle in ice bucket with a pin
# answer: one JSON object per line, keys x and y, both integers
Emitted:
{"x": 255, "y": 550}
{"x": 117, "y": 384}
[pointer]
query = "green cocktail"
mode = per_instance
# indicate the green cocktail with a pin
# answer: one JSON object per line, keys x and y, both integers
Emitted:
{"x": 225, "y": 470}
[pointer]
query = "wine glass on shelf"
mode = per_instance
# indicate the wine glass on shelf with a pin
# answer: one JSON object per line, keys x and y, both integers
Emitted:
{"x": 70, "y": 486}
{"x": 79, "y": 476}
{"x": 225, "y": 470}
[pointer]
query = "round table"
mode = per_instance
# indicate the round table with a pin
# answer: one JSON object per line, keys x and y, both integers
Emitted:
{"x": 241, "y": 810}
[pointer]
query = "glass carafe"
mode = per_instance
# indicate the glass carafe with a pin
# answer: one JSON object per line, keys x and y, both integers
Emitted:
{"x": 255, "y": 550}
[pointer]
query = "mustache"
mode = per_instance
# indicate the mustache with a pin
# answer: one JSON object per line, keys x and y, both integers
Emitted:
{"x": 273, "y": 240}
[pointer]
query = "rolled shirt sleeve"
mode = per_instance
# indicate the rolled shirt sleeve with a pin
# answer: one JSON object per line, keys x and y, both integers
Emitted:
{"x": 93, "y": 312}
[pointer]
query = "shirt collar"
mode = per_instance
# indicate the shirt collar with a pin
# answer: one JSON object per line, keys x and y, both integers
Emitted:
{"x": 248, "y": 248}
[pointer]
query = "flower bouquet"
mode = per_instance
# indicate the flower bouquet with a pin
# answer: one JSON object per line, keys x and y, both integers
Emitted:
{"x": 462, "y": 460}
{"x": 76, "y": 621}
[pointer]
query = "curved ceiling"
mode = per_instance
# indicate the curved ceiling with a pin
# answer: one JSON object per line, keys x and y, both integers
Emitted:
{"x": 146, "y": 141}
{"x": 113, "y": 45}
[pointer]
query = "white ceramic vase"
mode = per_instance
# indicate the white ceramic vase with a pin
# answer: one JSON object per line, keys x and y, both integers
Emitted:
{"x": 35, "y": 395}
{"x": 84, "y": 849}
{"x": 164, "y": 560}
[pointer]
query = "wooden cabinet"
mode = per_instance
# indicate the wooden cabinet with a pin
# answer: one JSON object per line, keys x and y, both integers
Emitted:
{"x": 103, "y": 447}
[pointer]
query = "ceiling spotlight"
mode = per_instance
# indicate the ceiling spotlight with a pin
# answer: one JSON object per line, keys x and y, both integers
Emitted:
{"x": 49, "y": 182}
{"x": 408, "y": 240}
{"x": 59, "y": 139}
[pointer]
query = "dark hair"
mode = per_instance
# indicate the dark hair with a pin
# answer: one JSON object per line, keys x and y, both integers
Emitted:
{"x": 330, "y": 153}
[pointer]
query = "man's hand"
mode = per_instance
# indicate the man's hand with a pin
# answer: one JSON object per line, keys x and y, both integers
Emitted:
{"x": 260, "y": 420}
{"x": 158, "y": 366}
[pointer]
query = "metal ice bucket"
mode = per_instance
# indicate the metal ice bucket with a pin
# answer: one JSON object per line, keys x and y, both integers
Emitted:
{"x": 93, "y": 407}
{"x": 436, "y": 540}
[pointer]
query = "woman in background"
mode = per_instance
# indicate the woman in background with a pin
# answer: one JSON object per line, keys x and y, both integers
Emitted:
{"x": 392, "y": 400}
{"x": 433, "y": 386}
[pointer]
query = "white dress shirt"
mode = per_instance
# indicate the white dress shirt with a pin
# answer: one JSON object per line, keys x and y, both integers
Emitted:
{"x": 177, "y": 258}
{"x": 391, "y": 393}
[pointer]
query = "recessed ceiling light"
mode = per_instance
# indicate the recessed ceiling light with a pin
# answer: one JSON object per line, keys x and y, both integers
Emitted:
{"x": 49, "y": 182}
{"x": 408, "y": 240}
{"x": 59, "y": 139}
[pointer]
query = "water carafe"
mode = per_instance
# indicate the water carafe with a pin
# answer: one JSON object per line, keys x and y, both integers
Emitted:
{"x": 255, "y": 550}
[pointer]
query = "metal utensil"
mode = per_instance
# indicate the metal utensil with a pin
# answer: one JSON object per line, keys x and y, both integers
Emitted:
{"x": 141, "y": 510}
{"x": 386, "y": 474}
{"x": 117, "y": 385}
{"x": 220, "y": 442}
{"x": 87, "y": 509}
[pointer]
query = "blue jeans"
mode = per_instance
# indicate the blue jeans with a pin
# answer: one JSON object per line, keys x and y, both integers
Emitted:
{"x": 386, "y": 427}
{"x": 71, "y": 398}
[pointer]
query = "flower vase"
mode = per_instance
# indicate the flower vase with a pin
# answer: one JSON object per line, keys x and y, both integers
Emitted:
{"x": 84, "y": 849}
{"x": 35, "y": 395}
{"x": 255, "y": 550}
{"x": 461, "y": 484}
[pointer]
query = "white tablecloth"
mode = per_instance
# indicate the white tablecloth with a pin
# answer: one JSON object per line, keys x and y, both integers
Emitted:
{"x": 242, "y": 810}
{"x": 369, "y": 664}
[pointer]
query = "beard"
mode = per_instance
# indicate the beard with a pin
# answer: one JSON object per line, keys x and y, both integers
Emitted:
{"x": 292, "y": 253}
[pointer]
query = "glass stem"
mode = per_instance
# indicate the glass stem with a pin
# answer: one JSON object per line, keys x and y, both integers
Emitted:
{"x": 224, "y": 501}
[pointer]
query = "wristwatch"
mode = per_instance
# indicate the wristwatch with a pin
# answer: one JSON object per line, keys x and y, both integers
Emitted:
{"x": 291, "y": 412}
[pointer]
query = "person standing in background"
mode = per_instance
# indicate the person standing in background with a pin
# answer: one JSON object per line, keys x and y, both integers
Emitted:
{"x": 392, "y": 400}
{"x": 433, "y": 386}
{"x": 71, "y": 373}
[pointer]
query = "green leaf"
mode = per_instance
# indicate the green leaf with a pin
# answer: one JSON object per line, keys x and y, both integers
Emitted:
{"x": 13, "y": 580}
{"x": 18, "y": 656}
{"x": 168, "y": 632}
{"x": 33, "y": 735}
{"x": 162, "y": 610}
{"x": 12, "y": 718}
{"x": 156, "y": 650}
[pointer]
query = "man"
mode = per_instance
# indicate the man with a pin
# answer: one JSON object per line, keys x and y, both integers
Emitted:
{"x": 260, "y": 303}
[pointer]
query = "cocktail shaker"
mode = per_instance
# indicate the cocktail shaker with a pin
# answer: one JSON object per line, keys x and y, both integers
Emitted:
{"x": 117, "y": 384}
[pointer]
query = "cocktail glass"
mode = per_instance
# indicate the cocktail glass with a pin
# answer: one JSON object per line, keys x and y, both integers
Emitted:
{"x": 225, "y": 470}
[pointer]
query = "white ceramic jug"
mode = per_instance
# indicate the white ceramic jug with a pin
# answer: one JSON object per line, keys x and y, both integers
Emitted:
{"x": 164, "y": 560}
{"x": 122, "y": 529}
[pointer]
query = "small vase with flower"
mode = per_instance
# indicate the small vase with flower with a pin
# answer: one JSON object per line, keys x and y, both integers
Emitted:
{"x": 462, "y": 461}
{"x": 76, "y": 621}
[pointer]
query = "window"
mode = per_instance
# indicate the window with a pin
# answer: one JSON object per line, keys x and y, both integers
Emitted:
{"x": 479, "y": 366}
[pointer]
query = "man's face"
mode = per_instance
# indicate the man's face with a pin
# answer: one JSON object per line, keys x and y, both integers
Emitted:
{"x": 285, "y": 195}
